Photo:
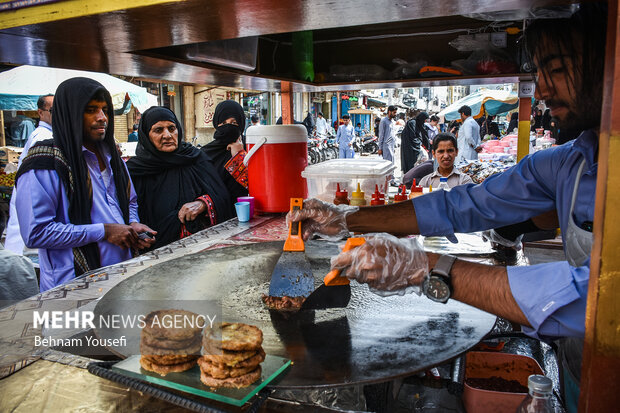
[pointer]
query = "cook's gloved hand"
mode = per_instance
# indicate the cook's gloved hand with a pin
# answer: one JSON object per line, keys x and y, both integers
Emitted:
{"x": 322, "y": 218}
{"x": 389, "y": 265}
{"x": 496, "y": 239}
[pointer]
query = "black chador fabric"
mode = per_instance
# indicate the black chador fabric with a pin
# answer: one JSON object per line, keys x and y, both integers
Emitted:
{"x": 413, "y": 135}
{"x": 225, "y": 135}
{"x": 64, "y": 154}
{"x": 165, "y": 182}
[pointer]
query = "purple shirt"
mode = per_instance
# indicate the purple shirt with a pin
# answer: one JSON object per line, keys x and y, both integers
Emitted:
{"x": 44, "y": 220}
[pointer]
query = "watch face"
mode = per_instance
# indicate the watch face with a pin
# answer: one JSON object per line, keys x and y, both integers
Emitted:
{"x": 437, "y": 289}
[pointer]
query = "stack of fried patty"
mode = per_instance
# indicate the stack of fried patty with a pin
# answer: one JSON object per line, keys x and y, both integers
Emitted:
{"x": 170, "y": 341}
{"x": 232, "y": 355}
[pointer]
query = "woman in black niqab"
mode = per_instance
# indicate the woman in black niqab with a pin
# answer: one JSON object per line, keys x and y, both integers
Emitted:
{"x": 227, "y": 136}
{"x": 166, "y": 181}
{"x": 412, "y": 137}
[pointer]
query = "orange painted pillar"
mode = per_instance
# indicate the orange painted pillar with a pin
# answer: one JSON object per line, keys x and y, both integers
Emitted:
{"x": 286, "y": 88}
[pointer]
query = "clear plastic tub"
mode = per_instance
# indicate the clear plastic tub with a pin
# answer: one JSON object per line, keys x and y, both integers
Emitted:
{"x": 322, "y": 178}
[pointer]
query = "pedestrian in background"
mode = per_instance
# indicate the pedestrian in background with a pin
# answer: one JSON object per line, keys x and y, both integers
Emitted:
{"x": 386, "y": 135}
{"x": 345, "y": 137}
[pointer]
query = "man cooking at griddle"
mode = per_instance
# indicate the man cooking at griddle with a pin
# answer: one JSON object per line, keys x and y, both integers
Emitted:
{"x": 548, "y": 300}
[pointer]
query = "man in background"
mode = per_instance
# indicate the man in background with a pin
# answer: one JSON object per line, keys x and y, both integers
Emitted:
{"x": 469, "y": 135}
{"x": 321, "y": 124}
{"x": 386, "y": 135}
{"x": 345, "y": 137}
{"x": 358, "y": 129}
{"x": 43, "y": 132}
{"x": 133, "y": 136}
{"x": 432, "y": 128}
{"x": 445, "y": 152}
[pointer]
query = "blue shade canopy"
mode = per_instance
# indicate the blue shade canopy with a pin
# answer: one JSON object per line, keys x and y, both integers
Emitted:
{"x": 21, "y": 87}
{"x": 493, "y": 102}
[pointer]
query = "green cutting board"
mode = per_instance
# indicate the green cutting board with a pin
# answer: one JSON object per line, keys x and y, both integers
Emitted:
{"x": 189, "y": 381}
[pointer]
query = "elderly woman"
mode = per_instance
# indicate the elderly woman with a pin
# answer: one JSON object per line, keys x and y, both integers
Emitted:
{"x": 226, "y": 150}
{"x": 180, "y": 191}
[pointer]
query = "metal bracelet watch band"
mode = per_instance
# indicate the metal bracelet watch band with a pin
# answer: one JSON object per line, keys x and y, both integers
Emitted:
{"x": 438, "y": 286}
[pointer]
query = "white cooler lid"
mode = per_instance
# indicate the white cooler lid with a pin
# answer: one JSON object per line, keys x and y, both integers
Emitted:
{"x": 276, "y": 134}
{"x": 350, "y": 168}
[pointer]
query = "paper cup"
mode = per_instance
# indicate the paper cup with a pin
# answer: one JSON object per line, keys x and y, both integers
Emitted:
{"x": 243, "y": 211}
{"x": 249, "y": 199}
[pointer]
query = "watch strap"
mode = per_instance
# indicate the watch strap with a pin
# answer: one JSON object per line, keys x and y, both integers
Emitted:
{"x": 443, "y": 266}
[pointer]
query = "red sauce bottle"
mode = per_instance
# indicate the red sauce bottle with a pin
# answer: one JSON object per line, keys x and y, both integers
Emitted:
{"x": 378, "y": 198}
{"x": 342, "y": 197}
{"x": 402, "y": 195}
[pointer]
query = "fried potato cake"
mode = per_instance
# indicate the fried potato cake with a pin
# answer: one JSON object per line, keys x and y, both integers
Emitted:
{"x": 231, "y": 362}
{"x": 165, "y": 369}
{"x": 151, "y": 341}
{"x": 194, "y": 349}
{"x": 234, "y": 336}
{"x": 170, "y": 359}
{"x": 223, "y": 372}
{"x": 284, "y": 303}
{"x": 231, "y": 382}
{"x": 177, "y": 325}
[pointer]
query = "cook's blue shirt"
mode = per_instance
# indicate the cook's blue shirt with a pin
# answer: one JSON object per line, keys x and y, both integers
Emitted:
{"x": 552, "y": 295}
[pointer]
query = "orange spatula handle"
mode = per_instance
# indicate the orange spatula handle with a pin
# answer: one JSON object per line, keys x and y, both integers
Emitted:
{"x": 333, "y": 277}
{"x": 294, "y": 242}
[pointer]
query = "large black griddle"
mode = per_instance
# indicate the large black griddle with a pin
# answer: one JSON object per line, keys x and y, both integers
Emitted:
{"x": 373, "y": 340}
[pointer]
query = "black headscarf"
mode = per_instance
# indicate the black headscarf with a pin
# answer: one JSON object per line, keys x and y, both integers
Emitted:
{"x": 224, "y": 136}
{"x": 514, "y": 122}
{"x": 64, "y": 154}
{"x": 546, "y": 119}
{"x": 165, "y": 181}
{"x": 413, "y": 135}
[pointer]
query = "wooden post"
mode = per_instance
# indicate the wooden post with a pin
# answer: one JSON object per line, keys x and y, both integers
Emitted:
{"x": 286, "y": 89}
{"x": 189, "y": 113}
{"x": 2, "y": 137}
{"x": 600, "y": 370}
{"x": 523, "y": 145}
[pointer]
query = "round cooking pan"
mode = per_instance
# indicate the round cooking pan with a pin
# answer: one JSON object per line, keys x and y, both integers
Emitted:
{"x": 373, "y": 340}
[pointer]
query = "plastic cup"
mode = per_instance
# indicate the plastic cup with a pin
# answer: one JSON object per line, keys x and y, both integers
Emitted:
{"x": 249, "y": 199}
{"x": 243, "y": 211}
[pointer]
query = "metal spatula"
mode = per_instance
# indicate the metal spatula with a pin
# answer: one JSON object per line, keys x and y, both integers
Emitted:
{"x": 292, "y": 275}
{"x": 335, "y": 292}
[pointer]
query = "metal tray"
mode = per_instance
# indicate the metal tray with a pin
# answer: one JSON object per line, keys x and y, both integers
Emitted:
{"x": 373, "y": 340}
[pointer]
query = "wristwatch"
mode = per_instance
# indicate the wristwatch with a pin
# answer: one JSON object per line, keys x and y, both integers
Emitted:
{"x": 438, "y": 286}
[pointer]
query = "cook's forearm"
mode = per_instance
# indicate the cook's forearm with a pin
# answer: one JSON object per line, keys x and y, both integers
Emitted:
{"x": 485, "y": 287}
{"x": 397, "y": 219}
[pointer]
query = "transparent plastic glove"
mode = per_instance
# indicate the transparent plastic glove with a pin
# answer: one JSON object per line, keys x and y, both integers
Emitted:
{"x": 323, "y": 219}
{"x": 389, "y": 265}
{"x": 496, "y": 239}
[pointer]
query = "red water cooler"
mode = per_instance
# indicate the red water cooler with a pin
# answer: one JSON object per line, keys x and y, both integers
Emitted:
{"x": 277, "y": 154}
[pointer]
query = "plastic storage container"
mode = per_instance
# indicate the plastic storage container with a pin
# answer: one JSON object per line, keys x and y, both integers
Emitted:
{"x": 277, "y": 156}
{"x": 323, "y": 177}
{"x": 480, "y": 364}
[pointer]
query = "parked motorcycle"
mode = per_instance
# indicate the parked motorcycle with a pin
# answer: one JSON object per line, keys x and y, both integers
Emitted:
{"x": 321, "y": 148}
{"x": 369, "y": 144}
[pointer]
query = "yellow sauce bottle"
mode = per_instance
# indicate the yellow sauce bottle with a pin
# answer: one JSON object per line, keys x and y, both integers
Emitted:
{"x": 357, "y": 196}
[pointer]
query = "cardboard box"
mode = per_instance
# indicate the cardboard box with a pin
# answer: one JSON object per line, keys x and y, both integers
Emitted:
{"x": 12, "y": 153}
